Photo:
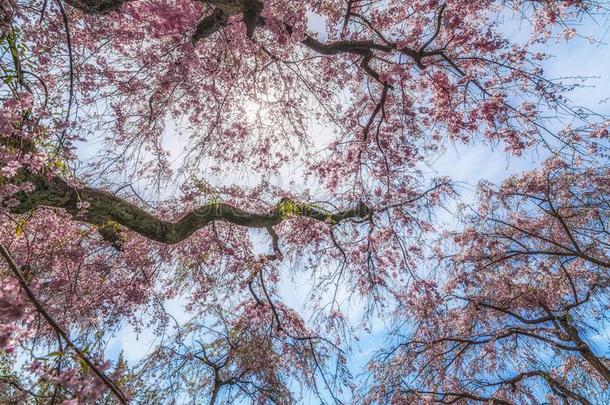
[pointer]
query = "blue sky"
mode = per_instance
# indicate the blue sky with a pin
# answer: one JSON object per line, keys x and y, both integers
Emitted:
{"x": 467, "y": 164}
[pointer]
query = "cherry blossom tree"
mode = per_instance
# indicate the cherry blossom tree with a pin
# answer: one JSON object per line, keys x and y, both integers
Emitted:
{"x": 526, "y": 291}
{"x": 140, "y": 147}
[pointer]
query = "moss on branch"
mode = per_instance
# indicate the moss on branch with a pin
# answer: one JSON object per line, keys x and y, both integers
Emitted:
{"x": 104, "y": 208}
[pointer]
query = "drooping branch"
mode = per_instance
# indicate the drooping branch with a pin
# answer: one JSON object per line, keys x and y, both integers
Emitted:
{"x": 107, "y": 211}
{"x": 55, "y": 326}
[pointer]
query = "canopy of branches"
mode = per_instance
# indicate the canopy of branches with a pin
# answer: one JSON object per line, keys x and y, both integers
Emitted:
{"x": 248, "y": 182}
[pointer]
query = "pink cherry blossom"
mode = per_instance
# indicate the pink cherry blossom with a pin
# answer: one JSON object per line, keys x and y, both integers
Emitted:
{"x": 217, "y": 155}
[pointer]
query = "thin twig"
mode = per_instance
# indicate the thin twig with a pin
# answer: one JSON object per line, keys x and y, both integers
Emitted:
{"x": 32, "y": 297}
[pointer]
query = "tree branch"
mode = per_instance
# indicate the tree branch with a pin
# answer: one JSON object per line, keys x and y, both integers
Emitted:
{"x": 107, "y": 211}
{"x": 39, "y": 307}
{"x": 96, "y": 6}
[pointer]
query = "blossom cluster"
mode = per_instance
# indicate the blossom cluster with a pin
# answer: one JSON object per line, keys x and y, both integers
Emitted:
{"x": 15, "y": 314}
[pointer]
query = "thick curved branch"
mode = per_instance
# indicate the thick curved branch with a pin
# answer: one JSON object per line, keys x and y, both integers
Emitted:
{"x": 585, "y": 350}
{"x": 364, "y": 47}
{"x": 96, "y": 6}
{"x": 209, "y": 25}
{"x": 107, "y": 211}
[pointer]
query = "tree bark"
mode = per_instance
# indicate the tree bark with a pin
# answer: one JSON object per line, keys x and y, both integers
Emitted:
{"x": 96, "y": 6}
{"x": 107, "y": 211}
{"x": 585, "y": 351}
